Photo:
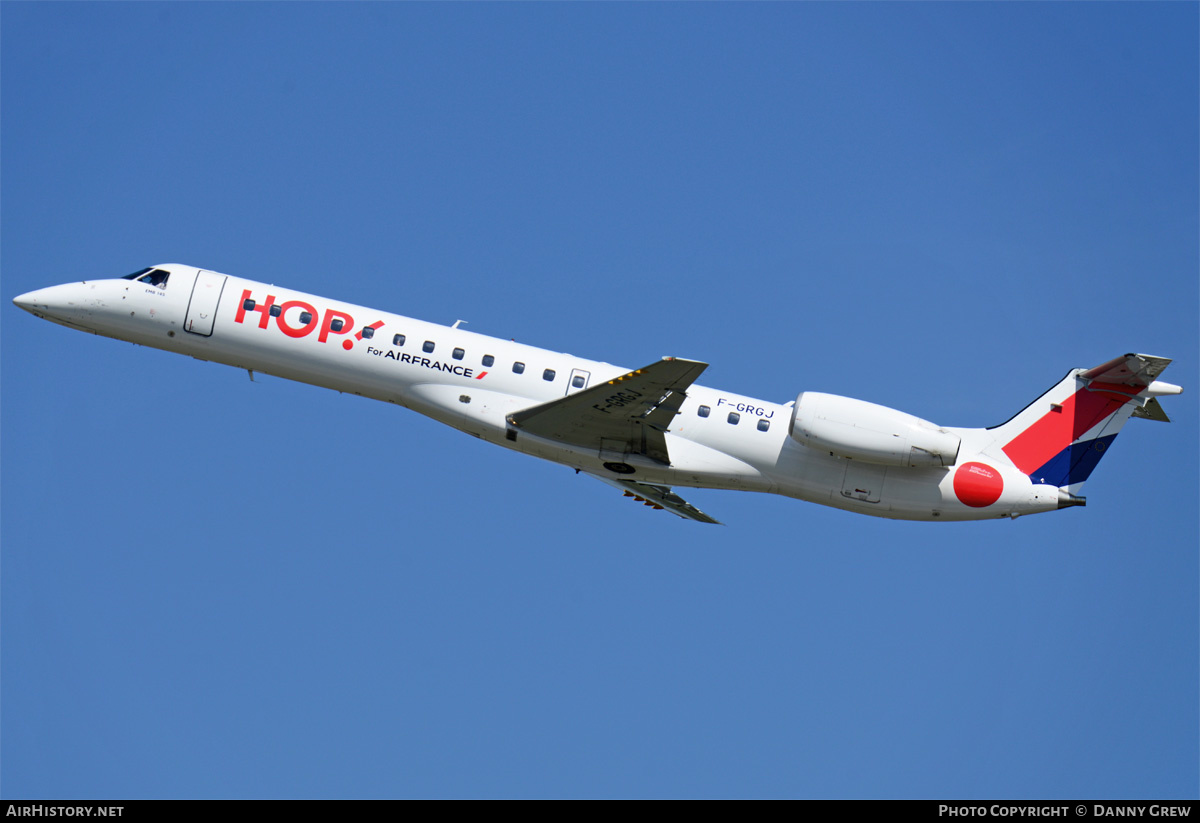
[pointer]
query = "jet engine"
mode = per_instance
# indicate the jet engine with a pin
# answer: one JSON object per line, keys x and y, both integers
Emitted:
{"x": 874, "y": 434}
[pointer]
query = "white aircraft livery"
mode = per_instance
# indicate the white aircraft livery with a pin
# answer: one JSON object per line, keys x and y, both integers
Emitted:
{"x": 644, "y": 430}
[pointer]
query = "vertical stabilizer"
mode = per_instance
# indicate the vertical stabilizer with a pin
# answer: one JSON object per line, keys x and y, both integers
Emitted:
{"x": 1060, "y": 437}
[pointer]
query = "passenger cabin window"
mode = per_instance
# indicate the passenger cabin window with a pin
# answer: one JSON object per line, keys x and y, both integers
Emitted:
{"x": 276, "y": 310}
{"x": 703, "y": 411}
{"x": 428, "y": 347}
{"x": 548, "y": 375}
{"x": 457, "y": 354}
{"x": 337, "y": 324}
{"x": 488, "y": 360}
{"x": 577, "y": 381}
{"x": 367, "y": 333}
{"x": 305, "y": 318}
{"x": 248, "y": 304}
{"x": 763, "y": 425}
{"x": 398, "y": 340}
{"x": 156, "y": 278}
{"x": 734, "y": 417}
{"x": 518, "y": 367}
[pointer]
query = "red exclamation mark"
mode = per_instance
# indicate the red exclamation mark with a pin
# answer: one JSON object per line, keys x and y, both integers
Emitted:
{"x": 349, "y": 344}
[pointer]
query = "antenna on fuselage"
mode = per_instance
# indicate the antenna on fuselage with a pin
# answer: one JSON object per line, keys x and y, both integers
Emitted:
{"x": 456, "y": 322}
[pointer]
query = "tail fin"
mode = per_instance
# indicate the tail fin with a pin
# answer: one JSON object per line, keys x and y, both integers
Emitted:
{"x": 1060, "y": 437}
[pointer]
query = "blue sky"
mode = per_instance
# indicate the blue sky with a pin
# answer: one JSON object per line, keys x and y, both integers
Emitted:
{"x": 213, "y": 588}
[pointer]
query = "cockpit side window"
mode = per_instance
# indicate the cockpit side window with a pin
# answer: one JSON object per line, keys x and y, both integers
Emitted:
{"x": 136, "y": 274}
{"x": 156, "y": 278}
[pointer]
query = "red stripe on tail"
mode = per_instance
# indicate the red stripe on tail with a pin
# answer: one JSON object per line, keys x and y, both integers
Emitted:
{"x": 1056, "y": 430}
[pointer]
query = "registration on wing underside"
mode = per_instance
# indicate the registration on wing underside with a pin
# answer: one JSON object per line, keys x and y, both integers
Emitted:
{"x": 634, "y": 409}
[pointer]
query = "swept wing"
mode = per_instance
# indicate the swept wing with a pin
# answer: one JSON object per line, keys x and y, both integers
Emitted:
{"x": 627, "y": 414}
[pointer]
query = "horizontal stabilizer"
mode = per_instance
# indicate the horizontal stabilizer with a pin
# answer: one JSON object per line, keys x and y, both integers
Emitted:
{"x": 1153, "y": 410}
{"x": 1129, "y": 370}
{"x": 1139, "y": 373}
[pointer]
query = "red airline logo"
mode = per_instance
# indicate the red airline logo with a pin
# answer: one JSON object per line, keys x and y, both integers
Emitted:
{"x": 302, "y": 319}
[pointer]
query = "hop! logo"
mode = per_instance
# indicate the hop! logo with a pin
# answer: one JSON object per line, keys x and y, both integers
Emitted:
{"x": 296, "y": 318}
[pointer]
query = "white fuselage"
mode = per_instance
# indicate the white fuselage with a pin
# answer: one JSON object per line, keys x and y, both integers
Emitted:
{"x": 474, "y": 382}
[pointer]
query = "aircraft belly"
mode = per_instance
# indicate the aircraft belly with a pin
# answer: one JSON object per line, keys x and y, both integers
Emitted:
{"x": 697, "y": 465}
{"x": 856, "y": 485}
{"x": 925, "y": 494}
{"x": 690, "y": 472}
{"x": 476, "y": 411}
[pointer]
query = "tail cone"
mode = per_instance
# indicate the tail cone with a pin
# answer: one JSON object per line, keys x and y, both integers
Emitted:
{"x": 1066, "y": 499}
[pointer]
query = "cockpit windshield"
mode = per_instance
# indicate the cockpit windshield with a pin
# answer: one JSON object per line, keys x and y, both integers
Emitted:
{"x": 157, "y": 278}
{"x": 153, "y": 277}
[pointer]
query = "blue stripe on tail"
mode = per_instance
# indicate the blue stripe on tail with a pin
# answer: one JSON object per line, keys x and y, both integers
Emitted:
{"x": 1073, "y": 464}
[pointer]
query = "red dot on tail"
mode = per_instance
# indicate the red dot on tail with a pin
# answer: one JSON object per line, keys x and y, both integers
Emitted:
{"x": 977, "y": 485}
{"x": 347, "y": 344}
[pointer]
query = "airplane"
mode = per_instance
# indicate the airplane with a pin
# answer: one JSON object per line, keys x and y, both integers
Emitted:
{"x": 644, "y": 431}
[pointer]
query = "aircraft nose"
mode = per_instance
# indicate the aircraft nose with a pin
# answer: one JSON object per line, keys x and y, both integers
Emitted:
{"x": 31, "y": 300}
{"x": 56, "y": 302}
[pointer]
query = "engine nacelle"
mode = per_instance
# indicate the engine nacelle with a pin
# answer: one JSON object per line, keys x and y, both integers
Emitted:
{"x": 875, "y": 434}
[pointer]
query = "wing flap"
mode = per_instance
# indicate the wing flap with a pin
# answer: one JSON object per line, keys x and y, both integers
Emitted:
{"x": 660, "y": 497}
